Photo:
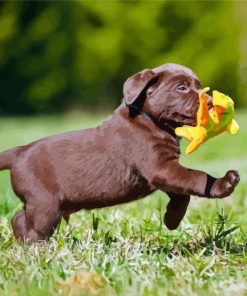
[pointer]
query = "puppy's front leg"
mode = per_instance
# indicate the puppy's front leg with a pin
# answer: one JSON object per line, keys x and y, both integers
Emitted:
{"x": 175, "y": 210}
{"x": 172, "y": 177}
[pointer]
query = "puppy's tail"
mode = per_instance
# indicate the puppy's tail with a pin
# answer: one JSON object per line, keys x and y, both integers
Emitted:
{"x": 7, "y": 158}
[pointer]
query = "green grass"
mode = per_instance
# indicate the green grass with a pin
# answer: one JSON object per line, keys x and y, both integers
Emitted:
{"x": 126, "y": 250}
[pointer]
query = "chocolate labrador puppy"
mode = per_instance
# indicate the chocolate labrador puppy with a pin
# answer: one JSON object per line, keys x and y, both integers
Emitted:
{"x": 133, "y": 153}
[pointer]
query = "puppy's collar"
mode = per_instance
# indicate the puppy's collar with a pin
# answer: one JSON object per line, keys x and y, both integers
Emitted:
{"x": 162, "y": 125}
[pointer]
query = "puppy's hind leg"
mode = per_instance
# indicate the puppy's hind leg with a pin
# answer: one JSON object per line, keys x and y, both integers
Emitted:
{"x": 176, "y": 210}
{"x": 19, "y": 224}
{"x": 37, "y": 220}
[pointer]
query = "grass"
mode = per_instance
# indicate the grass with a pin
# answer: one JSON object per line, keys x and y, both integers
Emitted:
{"x": 126, "y": 250}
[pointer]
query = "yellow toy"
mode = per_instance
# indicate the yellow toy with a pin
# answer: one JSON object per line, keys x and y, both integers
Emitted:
{"x": 210, "y": 123}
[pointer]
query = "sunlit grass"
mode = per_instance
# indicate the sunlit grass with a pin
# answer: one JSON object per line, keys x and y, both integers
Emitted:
{"x": 126, "y": 250}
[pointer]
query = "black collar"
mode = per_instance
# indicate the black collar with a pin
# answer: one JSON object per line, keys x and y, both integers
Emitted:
{"x": 165, "y": 126}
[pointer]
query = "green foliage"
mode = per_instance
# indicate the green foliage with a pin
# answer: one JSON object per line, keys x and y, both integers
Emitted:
{"x": 55, "y": 56}
{"x": 128, "y": 246}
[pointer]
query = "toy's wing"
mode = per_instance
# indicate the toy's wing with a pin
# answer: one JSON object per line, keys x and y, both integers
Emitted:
{"x": 232, "y": 127}
{"x": 201, "y": 136}
{"x": 196, "y": 135}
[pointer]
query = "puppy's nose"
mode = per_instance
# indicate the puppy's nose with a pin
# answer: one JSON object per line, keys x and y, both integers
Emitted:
{"x": 209, "y": 101}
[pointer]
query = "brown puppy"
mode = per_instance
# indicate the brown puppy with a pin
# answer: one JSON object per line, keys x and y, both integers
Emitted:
{"x": 133, "y": 153}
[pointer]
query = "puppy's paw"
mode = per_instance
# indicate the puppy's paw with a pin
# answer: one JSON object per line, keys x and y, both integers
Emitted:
{"x": 225, "y": 186}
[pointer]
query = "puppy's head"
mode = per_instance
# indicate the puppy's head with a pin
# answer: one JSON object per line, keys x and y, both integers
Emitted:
{"x": 169, "y": 92}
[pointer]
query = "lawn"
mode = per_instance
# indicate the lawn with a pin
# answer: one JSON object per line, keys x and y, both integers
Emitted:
{"x": 126, "y": 250}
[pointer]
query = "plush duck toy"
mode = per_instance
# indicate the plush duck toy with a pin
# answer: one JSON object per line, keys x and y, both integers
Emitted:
{"x": 210, "y": 123}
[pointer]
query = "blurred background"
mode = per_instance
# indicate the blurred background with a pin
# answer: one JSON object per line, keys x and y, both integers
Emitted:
{"x": 75, "y": 55}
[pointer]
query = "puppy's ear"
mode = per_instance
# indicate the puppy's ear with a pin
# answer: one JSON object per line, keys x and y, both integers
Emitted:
{"x": 136, "y": 85}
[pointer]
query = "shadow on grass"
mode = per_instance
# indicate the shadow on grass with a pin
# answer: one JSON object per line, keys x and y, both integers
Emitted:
{"x": 211, "y": 240}
{"x": 222, "y": 238}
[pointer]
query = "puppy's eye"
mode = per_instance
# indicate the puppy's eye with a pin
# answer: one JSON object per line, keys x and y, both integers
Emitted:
{"x": 183, "y": 87}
